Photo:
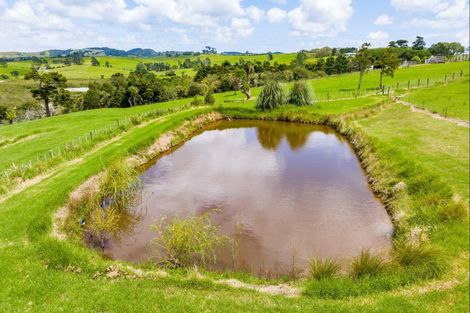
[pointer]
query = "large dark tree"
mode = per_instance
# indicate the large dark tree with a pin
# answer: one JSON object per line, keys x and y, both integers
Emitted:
{"x": 402, "y": 43}
{"x": 48, "y": 86}
{"x": 419, "y": 43}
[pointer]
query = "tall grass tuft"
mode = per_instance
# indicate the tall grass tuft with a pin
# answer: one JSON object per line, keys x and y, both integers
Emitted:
{"x": 120, "y": 185}
{"x": 189, "y": 241}
{"x": 321, "y": 269}
{"x": 300, "y": 94}
{"x": 414, "y": 250}
{"x": 455, "y": 211}
{"x": 366, "y": 264}
{"x": 271, "y": 97}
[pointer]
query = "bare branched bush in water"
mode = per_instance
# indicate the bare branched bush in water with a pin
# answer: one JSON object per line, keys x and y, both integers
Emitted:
{"x": 188, "y": 241}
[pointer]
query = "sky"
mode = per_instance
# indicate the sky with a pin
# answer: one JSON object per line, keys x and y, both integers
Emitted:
{"x": 228, "y": 25}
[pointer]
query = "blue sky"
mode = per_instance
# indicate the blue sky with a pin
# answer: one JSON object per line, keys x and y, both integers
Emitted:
{"x": 229, "y": 25}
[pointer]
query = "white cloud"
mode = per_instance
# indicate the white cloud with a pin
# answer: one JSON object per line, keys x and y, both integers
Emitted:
{"x": 242, "y": 27}
{"x": 419, "y": 5}
{"x": 383, "y": 19}
{"x": 378, "y": 38}
{"x": 276, "y": 15}
{"x": 279, "y": 1}
{"x": 255, "y": 13}
{"x": 320, "y": 18}
{"x": 378, "y": 35}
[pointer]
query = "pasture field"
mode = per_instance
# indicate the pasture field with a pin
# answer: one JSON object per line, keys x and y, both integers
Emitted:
{"x": 437, "y": 99}
{"x": 332, "y": 87}
{"x": 429, "y": 156}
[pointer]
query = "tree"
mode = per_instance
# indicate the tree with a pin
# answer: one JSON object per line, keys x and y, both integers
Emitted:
{"x": 10, "y": 115}
{"x": 133, "y": 95}
{"x": 419, "y": 43}
{"x": 362, "y": 61}
{"x": 389, "y": 62}
{"x": 393, "y": 44}
{"x": 48, "y": 86}
{"x": 341, "y": 64}
{"x": 3, "y": 112}
{"x": 446, "y": 48}
{"x": 300, "y": 94}
{"x": 210, "y": 84}
{"x": 330, "y": 66}
{"x": 77, "y": 58}
{"x": 270, "y": 56}
{"x": 455, "y": 48}
{"x": 107, "y": 64}
{"x": 300, "y": 58}
{"x": 272, "y": 96}
{"x": 402, "y": 43}
{"x": 15, "y": 73}
{"x": 141, "y": 69}
{"x": 95, "y": 62}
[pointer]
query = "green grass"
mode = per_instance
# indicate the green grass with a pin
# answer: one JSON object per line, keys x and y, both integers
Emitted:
{"x": 438, "y": 147}
{"x": 446, "y": 99}
{"x": 431, "y": 156}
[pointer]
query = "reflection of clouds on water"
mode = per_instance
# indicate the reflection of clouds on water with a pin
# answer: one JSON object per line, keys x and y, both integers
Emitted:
{"x": 304, "y": 193}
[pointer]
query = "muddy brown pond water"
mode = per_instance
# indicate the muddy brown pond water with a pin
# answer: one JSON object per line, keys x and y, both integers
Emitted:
{"x": 286, "y": 192}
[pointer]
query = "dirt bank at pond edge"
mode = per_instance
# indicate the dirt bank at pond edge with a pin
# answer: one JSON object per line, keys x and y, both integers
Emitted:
{"x": 162, "y": 144}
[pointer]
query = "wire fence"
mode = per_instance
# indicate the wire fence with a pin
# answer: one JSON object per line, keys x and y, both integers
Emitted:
{"x": 387, "y": 89}
{"x": 52, "y": 156}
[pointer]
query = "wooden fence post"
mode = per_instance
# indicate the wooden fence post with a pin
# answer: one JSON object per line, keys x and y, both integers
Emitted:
{"x": 408, "y": 85}
{"x": 388, "y": 92}
{"x": 445, "y": 80}
{"x": 418, "y": 82}
{"x": 427, "y": 82}
{"x": 51, "y": 153}
{"x": 461, "y": 73}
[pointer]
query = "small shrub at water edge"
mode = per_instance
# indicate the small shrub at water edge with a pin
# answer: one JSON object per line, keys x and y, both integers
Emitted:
{"x": 320, "y": 269}
{"x": 366, "y": 264}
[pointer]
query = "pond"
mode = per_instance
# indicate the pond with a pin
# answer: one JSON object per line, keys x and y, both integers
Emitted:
{"x": 286, "y": 192}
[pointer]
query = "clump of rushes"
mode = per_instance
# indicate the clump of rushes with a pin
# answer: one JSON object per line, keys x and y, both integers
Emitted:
{"x": 189, "y": 241}
{"x": 300, "y": 94}
{"x": 271, "y": 97}
{"x": 456, "y": 210}
{"x": 321, "y": 269}
{"x": 366, "y": 264}
{"x": 120, "y": 185}
{"x": 414, "y": 250}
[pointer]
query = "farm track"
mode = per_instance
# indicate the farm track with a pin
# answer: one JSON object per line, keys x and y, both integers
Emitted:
{"x": 437, "y": 116}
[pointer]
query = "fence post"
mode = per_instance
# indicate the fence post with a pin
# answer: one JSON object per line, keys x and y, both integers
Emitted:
{"x": 51, "y": 153}
{"x": 408, "y": 85}
{"x": 91, "y": 135}
{"x": 445, "y": 80}
{"x": 461, "y": 73}
{"x": 427, "y": 82}
{"x": 45, "y": 158}
{"x": 388, "y": 92}
{"x": 453, "y": 76}
{"x": 419, "y": 81}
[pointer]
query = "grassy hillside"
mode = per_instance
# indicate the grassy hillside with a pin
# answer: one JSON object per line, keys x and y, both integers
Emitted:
{"x": 42, "y": 273}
